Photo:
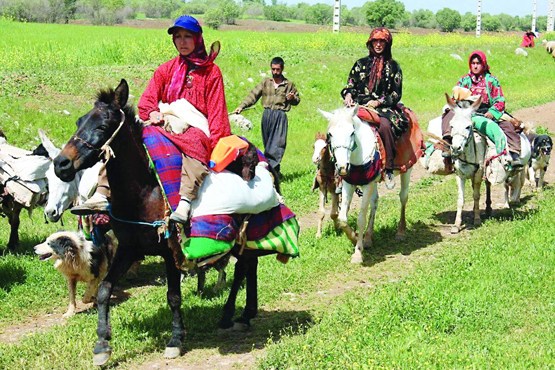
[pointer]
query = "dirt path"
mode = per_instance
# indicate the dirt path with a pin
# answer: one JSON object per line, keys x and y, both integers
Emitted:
{"x": 252, "y": 346}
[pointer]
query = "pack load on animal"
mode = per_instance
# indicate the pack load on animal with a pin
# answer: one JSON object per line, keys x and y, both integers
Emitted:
{"x": 23, "y": 174}
{"x": 226, "y": 151}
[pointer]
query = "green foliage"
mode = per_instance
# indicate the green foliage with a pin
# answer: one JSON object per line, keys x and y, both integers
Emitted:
{"x": 230, "y": 10}
{"x": 448, "y": 20}
{"x": 468, "y": 22}
{"x": 385, "y": 13}
{"x": 276, "y": 13}
{"x": 214, "y": 18}
{"x": 507, "y": 22}
{"x": 423, "y": 18}
{"x": 490, "y": 23}
{"x": 319, "y": 14}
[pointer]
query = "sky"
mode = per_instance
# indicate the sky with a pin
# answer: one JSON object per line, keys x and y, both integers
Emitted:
{"x": 511, "y": 7}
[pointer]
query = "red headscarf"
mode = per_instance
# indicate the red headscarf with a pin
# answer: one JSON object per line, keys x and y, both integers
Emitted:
{"x": 198, "y": 58}
{"x": 480, "y": 54}
{"x": 379, "y": 33}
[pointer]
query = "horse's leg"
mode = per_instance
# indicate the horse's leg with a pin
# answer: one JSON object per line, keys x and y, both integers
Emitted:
{"x": 239, "y": 273}
{"x": 121, "y": 263}
{"x": 476, "y": 185}
{"x": 403, "y": 197}
{"x": 346, "y": 198}
{"x": 251, "y": 306}
{"x": 371, "y": 194}
{"x": 321, "y": 210}
{"x": 173, "y": 348}
{"x": 201, "y": 280}
{"x": 460, "y": 203}
{"x": 222, "y": 277}
{"x": 507, "y": 188}
{"x": 488, "y": 199}
{"x": 334, "y": 211}
{"x": 13, "y": 219}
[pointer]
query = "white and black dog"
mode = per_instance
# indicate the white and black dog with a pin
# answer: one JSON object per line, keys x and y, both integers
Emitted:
{"x": 78, "y": 260}
{"x": 541, "y": 152}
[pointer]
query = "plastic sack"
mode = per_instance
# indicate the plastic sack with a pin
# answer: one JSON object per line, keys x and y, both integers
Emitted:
{"x": 226, "y": 193}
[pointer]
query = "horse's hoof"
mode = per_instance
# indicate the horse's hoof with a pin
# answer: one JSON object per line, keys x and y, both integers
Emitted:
{"x": 399, "y": 237}
{"x": 100, "y": 359}
{"x": 356, "y": 257}
{"x": 241, "y": 326}
{"x": 455, "y": 230}
{"x": 172, "y": 352}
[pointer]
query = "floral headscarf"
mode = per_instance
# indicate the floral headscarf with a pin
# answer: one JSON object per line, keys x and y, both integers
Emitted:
{"x": 375, "y": 75}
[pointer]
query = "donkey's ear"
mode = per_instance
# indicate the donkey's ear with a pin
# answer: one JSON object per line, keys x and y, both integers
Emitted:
{"x": 327, "y": 115}
{"x": 354, "y": 110}
{"x": 477, "y": 103}
{"x": 122, "y": 93}
{"x": 48, "y": 145}
{"x": 450, "y": 102}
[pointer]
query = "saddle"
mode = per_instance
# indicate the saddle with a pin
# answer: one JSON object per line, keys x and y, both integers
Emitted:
{"x": 409, "y": 147}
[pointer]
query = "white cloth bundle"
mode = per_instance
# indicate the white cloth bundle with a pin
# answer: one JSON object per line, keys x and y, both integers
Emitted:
{"x": 226, "y": 193}
{"x": 181, "y": 114}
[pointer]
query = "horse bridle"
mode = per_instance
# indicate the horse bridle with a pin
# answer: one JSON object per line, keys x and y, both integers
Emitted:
{"x": 463, "y": 145}
{"x": 332, "y": 148}
{"x": 105, "y": 148}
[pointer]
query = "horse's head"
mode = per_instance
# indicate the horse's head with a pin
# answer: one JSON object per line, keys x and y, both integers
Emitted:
{"x": 320, "y": 144}
{"x": 60, "y": 194}
{"x": 94, "y": 130}
{"x": 341, "y": 136}
{"x": 461, "y": 123}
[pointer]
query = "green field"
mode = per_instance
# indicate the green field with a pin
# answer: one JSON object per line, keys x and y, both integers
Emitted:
{"x": 482, "y": 300}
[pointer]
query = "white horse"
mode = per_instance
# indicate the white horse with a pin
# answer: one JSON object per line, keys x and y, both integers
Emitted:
{"x": 353, "y": 143}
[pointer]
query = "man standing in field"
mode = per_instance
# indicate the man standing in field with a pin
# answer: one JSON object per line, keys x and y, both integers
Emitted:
{"x": 278, "y": 95}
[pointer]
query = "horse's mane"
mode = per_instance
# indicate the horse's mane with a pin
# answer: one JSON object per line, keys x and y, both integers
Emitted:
{"x": 108, "y": 96}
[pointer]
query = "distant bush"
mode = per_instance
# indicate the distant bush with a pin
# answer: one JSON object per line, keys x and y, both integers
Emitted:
{"x": 276, "y": 13}
{"x": 319, "y": 14}
{"x": 448, "y": 19}
{"x": 214, "y": 18}
{"x": 385, "y": 13}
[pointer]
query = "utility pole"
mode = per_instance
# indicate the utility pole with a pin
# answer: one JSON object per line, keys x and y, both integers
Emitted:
{"x": 479, "y": 19}
{"x": 550, "y": 15}
{"x": 336, "y": 15}
{"x": 534, "y": 15}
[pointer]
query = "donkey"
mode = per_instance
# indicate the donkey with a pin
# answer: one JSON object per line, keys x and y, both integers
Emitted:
{"x": 138, "y": 215}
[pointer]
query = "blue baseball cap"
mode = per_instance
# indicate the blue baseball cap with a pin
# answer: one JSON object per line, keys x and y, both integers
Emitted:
{"x": 186, "y": 22}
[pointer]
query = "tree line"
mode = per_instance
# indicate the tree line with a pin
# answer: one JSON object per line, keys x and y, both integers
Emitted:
{"x": 388, "y": 13}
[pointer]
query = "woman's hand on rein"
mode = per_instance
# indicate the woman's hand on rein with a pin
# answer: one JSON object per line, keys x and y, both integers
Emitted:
{"x": 348, "y": 100}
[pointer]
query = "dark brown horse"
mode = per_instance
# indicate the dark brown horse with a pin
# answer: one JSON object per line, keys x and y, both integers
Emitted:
{"x": 138, "y": 208}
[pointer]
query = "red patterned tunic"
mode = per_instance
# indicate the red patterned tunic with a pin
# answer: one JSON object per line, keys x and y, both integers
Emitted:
{"x": 204, "y": 88}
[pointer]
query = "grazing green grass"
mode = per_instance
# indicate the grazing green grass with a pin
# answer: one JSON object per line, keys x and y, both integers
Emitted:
{"x": 480, "y": 300}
